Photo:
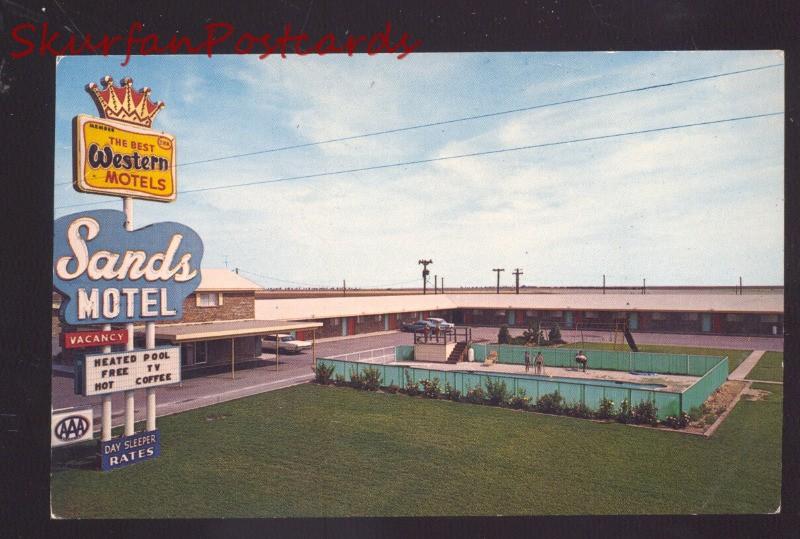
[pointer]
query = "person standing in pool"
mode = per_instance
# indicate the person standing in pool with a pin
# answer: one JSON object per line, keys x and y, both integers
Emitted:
{"x": 527, "y": 360}
{"x": 538, "y": 363}
{"x": 581, "y": 359}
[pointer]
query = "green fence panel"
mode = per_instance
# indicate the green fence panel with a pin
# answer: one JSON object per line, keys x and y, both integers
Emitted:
{"x": 480, "y": 351}
{"x": 668, "y": 404}
{"x": 404, "y": 352}
{"x": 571, "y": 392}
{"x": 592, "y": 396}
{"x": 696, "y": 395}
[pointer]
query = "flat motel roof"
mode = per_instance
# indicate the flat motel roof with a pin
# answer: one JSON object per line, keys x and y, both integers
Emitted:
{"x": 230, "y": 329}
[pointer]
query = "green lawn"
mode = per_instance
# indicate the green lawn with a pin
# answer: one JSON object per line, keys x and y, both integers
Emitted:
{"x": 769, "y": 367}
{"x": 324, "y": 451}
{"x": 735, "y": 357}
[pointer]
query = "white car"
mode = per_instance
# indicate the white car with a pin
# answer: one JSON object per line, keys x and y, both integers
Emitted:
{"x": 286, "y": 343}
{"x": 441, "y": 324}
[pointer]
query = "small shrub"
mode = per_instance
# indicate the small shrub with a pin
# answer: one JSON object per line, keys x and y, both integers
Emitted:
{"x": 452, "y": 393}
{"x": 496, "y": 391}
{"x": 371, "y": 378}
{"x": 503, "y": 336}
{"x": 696, "y": 412}
{"x": 338, "y": 379}
{"x": 519, "y": 401}
{"x": 323, "y": 373}
{"x": 430, "y": 388}
{"x": 475, "y": 395}
{"x": 644, "y": 413}
{"x": 579, "y": 410}
{"x": 356, "y": 379}
{"x": 551, "y": 403}
{"x": 625, "y": 414}
{"x": 606, "y": 409}
{"x": 554, "y": 335}
{"x": 679, "y": 422}
{"x": 392, "y": 388}
{"x": 412, "y": 388}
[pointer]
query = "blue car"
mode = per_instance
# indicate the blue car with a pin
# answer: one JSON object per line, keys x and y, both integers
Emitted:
{"x": 419, "y": 325}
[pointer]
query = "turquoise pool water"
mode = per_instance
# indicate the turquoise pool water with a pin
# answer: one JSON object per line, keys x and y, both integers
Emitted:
{"x": 607, "y": 383}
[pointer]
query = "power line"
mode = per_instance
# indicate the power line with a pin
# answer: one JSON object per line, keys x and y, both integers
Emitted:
{"x": 475, "y": 117}
{"x": 312, "y": 285}
{"x": 461, "y": 156}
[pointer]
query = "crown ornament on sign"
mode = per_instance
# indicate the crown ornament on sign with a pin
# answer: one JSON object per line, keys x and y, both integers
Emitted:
{"x": 124, "y": 103}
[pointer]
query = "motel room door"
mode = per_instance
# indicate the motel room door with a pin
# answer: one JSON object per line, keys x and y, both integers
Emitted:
{"x": 705, "y": 320}
{"x": 351, "y": 325}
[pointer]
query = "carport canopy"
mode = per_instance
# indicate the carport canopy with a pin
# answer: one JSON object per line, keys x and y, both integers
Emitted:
{"x": 206, "y": 331}
{"x": 203, "y": 331}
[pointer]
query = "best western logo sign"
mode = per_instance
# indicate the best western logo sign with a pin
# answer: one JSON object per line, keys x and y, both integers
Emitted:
{"x": 123, "y": 159}
{"x": 111, "y": 275}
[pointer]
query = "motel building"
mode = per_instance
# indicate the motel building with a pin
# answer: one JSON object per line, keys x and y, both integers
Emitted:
{"x": 227, "y": 315}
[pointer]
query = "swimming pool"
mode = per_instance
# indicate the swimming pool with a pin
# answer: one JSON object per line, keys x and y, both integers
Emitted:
{"x": 607, "y": 383}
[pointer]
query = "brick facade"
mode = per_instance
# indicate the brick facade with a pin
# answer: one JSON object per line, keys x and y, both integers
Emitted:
{"x": 235, "y": 306}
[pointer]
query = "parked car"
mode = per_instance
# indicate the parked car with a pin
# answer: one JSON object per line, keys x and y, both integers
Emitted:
{"x": 286, "y": 343}
{"x": 419, "y": 325}
{"x": 441, "y": 324}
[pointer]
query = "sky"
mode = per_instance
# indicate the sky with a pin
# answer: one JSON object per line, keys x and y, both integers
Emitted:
{"x": 693, "y": 206}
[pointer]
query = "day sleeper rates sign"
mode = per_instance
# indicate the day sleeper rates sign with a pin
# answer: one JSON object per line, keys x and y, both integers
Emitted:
{"x": 122, "y": 371}
{"x": 113, "y": 276}
{"x": 126, "y": 450}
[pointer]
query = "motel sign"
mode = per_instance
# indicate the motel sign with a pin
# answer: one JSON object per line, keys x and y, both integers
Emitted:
{"x": 113, "y": 276}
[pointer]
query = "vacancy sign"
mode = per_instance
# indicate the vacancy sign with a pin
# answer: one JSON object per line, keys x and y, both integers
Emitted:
{"x": 99, "y": 374}
{"x": 87, "y": 339}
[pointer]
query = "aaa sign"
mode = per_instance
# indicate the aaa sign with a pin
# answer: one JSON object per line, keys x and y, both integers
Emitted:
{"x": 118, "y": 158}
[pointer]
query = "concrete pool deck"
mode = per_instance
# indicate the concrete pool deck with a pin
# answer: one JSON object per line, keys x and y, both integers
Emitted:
{"x": 672, "y": 382}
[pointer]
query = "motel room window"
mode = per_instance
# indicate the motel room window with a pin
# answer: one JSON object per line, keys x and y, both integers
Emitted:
{"x": 379, "y": 318}
{"x": 334, "y": 321}
{"x": 398, "y": 316}
{"x": 359, "y": 318}
{"x": 209, "y": 299}
{"x": 769, "y": 318}
{"x": 556, "y": 314}
{"x": 194, "y": 353}
{"x": 689, "y": 316}
{"x": 530, "y": 313}
{"x": 659, "y": 316}
{"x": 591, "y": 314}
{"x": 734, "y": 317}
{"x": 477, "y": 311}
{"x": 500, "y": 313}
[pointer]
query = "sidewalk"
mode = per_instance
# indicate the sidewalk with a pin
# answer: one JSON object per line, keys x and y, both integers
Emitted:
{"x": 746, "y": 366}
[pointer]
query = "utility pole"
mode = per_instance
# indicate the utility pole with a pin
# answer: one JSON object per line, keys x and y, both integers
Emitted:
{"x": 441, "y": 285}
{"x": 740, "y": 286}
{"x": 435, "y": 284}
{"x": 344, "y": 287}
{"x": 498, "y": 270}
{"x": 517, "y": 272}
{"x": 644, "y": 286}
{"x": 425, "y": 273}
{"x": 604, "y": 283}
